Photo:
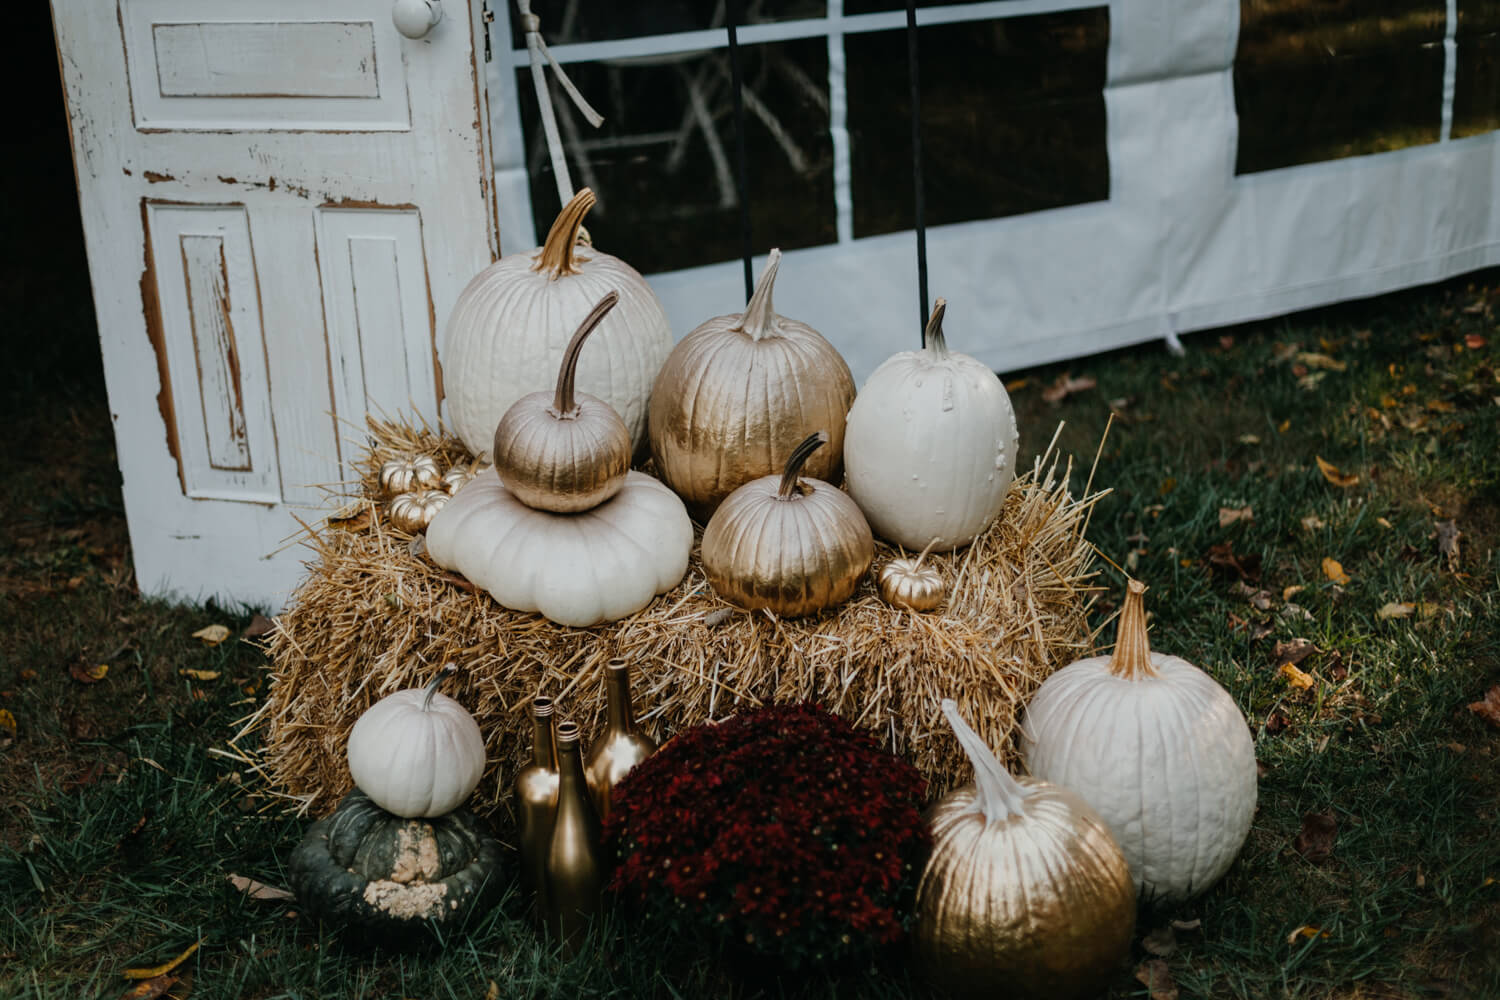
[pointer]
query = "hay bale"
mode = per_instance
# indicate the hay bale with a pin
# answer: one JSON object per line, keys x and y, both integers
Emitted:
{"x": 372, "y": 618}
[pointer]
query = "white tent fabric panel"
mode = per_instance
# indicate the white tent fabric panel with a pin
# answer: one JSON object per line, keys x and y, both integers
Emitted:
{"x": 1182, "y": 243}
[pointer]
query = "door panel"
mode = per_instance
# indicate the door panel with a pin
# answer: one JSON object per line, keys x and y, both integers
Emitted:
{"x": 281, "y": 199}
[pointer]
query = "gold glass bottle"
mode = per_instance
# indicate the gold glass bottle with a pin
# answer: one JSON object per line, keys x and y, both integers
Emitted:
{"x": 621, "y": 746}
{"x": 536, "y": 803}
{"x": 575, "y": 869}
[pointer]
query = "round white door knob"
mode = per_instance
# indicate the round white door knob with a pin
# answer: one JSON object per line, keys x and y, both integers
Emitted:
{"x": 414, "y": 18}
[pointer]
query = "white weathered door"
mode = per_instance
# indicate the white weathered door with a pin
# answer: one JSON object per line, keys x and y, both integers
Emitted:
{"x": 281, "y": 199}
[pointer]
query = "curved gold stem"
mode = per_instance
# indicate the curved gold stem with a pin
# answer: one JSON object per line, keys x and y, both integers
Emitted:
{"x": 563, "y": 404}
{"x": 759, "y": 316}
{"x": 448, "y": 671}
{"x": 557, "y": 249}
{"x": 795, "y": 461}
{"x": 1132, "y": 656}
{"x": 932, "y": 337}
{"x": 923, "y": 554}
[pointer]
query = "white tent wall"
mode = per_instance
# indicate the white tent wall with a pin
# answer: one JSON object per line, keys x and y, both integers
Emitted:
{"x": 1181, "y": 244}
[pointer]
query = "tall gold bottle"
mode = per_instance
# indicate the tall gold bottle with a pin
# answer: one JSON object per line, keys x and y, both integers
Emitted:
{"x": 575, "y": 868}
{"x": 536, "y": 803}
{"x": 621, "y": 746}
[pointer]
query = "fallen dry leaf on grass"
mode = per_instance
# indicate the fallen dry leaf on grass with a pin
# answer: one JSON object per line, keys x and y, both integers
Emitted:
{"x": 1161, "y": 941}
{"x": 1312, "y": 522}
{"x": 1233, "y": 515}
{"x": 1293, "y": 651}
{"x": 1314, "y": 360}
{"x": 258, "y": 890}
{"x": 1447, "y": 539}
{"x": 1474, "y": 341}
{"x": 212, "y": 635}
{"x": 149, "y": 989}
{"x": 199, "y": 675}
{"x": 1304, "y": 932}
{"x": 1489, "y": 708}
{"x": 1296, "y": 678}
{"x": 1315, "y": 840}
{"x": 1065, "y": 386}
{"x": 1334, "y": 475}
{"x": 85, "y": 674}
{"x": 1157, "y": 978}
{"x": 7, "y": 728}
{"x": 259, "y": 625}
{"x": 166, "y": 967}
{"x": 1334, "y": 570}
{"x": 1395, "y": 609}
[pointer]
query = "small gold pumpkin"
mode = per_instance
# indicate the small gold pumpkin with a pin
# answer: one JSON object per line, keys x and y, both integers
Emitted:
{"x": 910, "y": 583}
{"x": 792, "y": 546}
{"x": 564, "y": 451}
{"x": 412, "y": 512}
{"x": 454, "y": 478}
{"x": 414, "y": 472}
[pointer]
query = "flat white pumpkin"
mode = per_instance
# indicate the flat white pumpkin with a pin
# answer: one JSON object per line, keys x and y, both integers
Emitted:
{"x": 580, "y": 569}
{"x": 930, "y": 445}
{"x": 1158, "y": 748}
{"x": 417, "y": 752}
{"x": 511, "y": 324}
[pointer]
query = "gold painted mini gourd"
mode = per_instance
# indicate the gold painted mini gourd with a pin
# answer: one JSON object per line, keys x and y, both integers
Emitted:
{"x": 412, "y": 512}
{"x": 740, "y": 391}
{"x": 1025, "y": 894}
{"x": 912, "y": 584}
{"x": 404, "y": 475}
{"x": 793, "y": 546}
{"x": 564, "y": 451}
{"x": 454, "y": 478}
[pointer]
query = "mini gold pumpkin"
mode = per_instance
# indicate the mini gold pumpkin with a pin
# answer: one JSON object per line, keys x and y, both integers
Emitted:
{"x": 411, "y": 512}
{"x": 911, "y": 583}
{"x": 564, "y": 451}
{"x": 414, "y": 472}
{"x": 792, "y": 546}
{"x": 454, "y": 478}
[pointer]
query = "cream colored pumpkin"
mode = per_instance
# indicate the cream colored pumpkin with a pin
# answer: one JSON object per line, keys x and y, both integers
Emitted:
{"x": 739, "y": 393}
{"x": 1158, "y": 748}
{"x": 417, "y": 752}
{"x": 576, "y": 569}
{"x": 930, "y": 447}
{"x": 507, "y": 333}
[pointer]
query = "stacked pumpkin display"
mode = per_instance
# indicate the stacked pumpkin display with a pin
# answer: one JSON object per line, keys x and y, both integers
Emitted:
{"x": 399, "y": 854}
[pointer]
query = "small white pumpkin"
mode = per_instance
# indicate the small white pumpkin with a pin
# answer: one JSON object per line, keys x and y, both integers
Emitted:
{"x": 579, "y": 569}
{"x": 1158, "y": 748}
{"x": 511, "y": 324}
{"x": 930, "y": 446}
{"x": 417, "y": 752}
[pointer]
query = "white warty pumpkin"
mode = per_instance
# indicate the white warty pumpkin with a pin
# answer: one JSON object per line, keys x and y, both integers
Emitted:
{"x": 417, "y": 752}
{"x": 580, "y": 569}
{"x": 930, "y": 446}
{"x": 511, "y": 324}
{"x": 1158, "y": 748}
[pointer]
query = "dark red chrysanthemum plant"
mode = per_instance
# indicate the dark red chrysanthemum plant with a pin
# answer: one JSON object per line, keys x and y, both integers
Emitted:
{"x": 781, "y": 831}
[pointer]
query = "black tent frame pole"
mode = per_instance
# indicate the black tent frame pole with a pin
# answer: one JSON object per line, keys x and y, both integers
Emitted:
{"x": 742, "y": 172}
{"x": 920, "y": 199}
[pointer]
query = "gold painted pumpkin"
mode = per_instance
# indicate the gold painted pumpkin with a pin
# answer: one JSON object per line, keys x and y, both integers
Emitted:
{"x": 911, "y": 583}
{"x": 403, "y": 475}
{"x": 454, "y": 478}
{"x": 793, "y": 546}
{"x": 564, "y": 451}
{"x": 412, "y": 512}
{"x": 738, "y": 393}
{"x": 1025, "y": 893}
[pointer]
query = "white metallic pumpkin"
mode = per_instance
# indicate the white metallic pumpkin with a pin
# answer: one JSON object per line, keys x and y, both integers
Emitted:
{"x": 930, "y": 446}
{"x": 417, "y": 752}
{"x": 507, "y": 333}
{"x": 579, "y": 569}
{"x": 1158, "y": 748}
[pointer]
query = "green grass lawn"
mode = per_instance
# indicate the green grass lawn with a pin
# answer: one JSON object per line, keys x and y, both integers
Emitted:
{"x": 119, "y": 824}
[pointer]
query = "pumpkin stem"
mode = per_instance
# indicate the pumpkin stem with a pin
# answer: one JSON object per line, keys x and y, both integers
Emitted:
{"x": 557, "y": 249}
{"x": 932, "y": 337}
{"x": 759, "y": 317}
{"x": 448, "y": 671}
{"x": 564, "y": 406}
{"x": 795, "y": 461}
{"x": 998, "y": 795}
{"x": 923, "y": 554}
{"x": 1132, "y": 656}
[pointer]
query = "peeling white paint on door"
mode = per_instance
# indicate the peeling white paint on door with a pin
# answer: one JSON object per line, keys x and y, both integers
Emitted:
{"x": 281, "y": 201}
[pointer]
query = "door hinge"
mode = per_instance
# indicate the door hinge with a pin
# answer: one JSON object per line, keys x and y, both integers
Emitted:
{"x": 488, "y": 17}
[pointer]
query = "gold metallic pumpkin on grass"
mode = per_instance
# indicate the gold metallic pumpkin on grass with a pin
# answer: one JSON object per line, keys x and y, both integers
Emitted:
{"x": 564, "y": 451}
{"x": 793, "y": 546}
{"x": 1025, "y": 894}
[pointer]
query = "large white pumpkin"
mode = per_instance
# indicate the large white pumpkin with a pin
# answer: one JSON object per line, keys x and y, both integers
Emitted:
{"x": 1158, "y": 748}
{"x": 930, "y": 445}
{"x": 507, "y": 333}
{"x": 417, "y": 752}
{"x": 580, "y": 569}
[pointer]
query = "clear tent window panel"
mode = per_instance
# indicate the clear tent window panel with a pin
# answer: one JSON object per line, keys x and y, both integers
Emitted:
{"x": 1476, "y": 98}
